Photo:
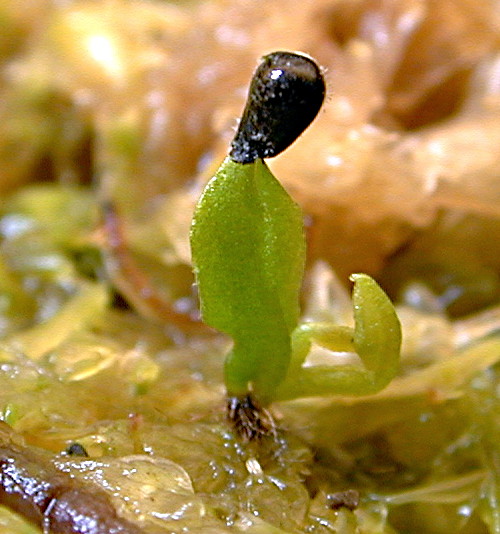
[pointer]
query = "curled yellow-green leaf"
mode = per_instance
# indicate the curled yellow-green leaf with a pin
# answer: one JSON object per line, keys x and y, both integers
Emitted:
{"x": 376, "y": 339}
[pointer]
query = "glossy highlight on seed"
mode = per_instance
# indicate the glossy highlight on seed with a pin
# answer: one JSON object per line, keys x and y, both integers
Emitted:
{"x": 286, "y": 94}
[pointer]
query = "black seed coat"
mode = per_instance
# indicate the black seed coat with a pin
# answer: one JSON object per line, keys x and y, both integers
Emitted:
{"x": 285, "y": 95}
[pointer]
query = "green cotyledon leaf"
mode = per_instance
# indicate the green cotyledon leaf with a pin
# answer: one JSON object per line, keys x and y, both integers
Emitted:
{"x": 248, "y": 252}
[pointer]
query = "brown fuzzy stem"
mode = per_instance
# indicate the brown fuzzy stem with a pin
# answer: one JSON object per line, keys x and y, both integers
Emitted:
{"x": 250, "y": 420}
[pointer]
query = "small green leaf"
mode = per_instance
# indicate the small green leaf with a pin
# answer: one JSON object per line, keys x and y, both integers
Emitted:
{"x": 377, "y": 334}
{"x": 376, "y": 338}
{"x": 248, "y": 252}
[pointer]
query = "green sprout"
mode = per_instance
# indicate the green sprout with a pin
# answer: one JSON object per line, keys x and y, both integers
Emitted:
{"x": 248, "y": 251}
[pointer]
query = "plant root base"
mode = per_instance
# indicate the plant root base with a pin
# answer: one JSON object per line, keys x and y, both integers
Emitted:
{"x": 251, "y": 421}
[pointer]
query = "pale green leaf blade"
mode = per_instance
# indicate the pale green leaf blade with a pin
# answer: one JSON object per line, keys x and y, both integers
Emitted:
{"x": 248, "y": 254}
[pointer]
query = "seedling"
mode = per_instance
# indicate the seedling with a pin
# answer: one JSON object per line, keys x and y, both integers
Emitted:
{"x": 248, "y": 251}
